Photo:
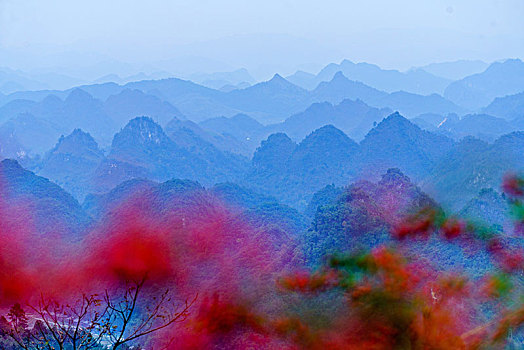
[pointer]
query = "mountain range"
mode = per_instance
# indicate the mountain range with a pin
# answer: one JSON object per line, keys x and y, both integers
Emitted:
{"x": 416, "y": 81}
{"x": 456, "y": 70}
{"x": 40, "y": 203}
{"x": 510, "y": 107}
{"x": 291, "y": 169}
{"x": 276, "y": 137}
{"x": 291, "y": 176}
{"x": 479, "y": 90}
{"x": 268, "y": 102}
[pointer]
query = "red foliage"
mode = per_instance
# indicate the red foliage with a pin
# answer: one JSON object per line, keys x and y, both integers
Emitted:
{"x": 511, "y": 261}
{"x": 217, "y": 316}
{"x": 306, "y": 282}
{"x": 407, "y": 228}
{"x": 206, "y": 249}
{"x": 224, "y": 323}
{"x": 17, "y": 273}
{"x": 453, "y": 228}
{"x": 420, "y": 224}
{"x": 133, "y": 254}
{"x": 495, "y": 246}
{"x": 513, "y": 185}
{"x": 396, "y": 276}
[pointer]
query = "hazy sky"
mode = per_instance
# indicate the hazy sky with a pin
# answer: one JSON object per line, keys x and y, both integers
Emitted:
{"x": 265, "y": 35}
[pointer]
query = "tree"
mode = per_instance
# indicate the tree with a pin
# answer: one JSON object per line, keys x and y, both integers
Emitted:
{"x": 17, "y": 317}
{"x": 125, "y": 320}
{"x": 92, "y": 321}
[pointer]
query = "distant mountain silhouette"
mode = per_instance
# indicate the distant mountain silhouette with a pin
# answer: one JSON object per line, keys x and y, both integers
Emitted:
{"x": 325, "y": 156}
{"x": 409, "y": 104}
{"x": 355, "y": 118}
{"x": 292, "y": 173}
{"x": 412, "y": 105}
{"x": 16, "y": 80}
{"x": 277, "y": 98}
{"x": 471, "y": 165}
{"x": 53, "y": 116}
{"x": 54, "y": 212}
{"x": 225, "y": 142}
{"x": 415, "y": 81}
{"x": 191, "y": 137}
{"x": 432, "y": 119}
{"x": 479, "y": 90}
{"x": 240, "y": 125}
{"x": 196, "y": 102}
{"x": 273, "y": 153}
{"x": 15, "y": 107}
{"x": 143, "y": 150}
{"x": 11, "y": 81}
{"x": 396, "y": 142}
{"x": 246, "y": 131}
{"x": 33, "y": 134}
{"x": 489, "y": 206}
{"x": 81, "y": 110}
{"x": 509, "y": 107}
{"x": 129, "y": 104}
{"x": 340, "y": 88}
{"x": 268, "y": 102}
{"x": 303, "y": 79}
{"x": 10, "y": 146}
{"x": 72, "y": 163}
{"x": 231, "y": 87}
{"x": 482, "y": 126}
{"x": 220, "y": 79}
{"x": 456, "y": 70}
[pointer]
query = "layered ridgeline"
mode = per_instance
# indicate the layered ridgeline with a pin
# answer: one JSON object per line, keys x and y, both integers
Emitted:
{"x": 482, "y": 126}
{"x": 359, "y": 215}
{"x": 363, "y": 215}
{"x": 454, "y": 172}
{"x": 37, "y": 124}
{"x": 72, "y": 163}
{"x": 509, "y": 107}
{"x": 354, "y": 118}
{"x": 102, "y": 109}
{"x": 451, "y": 169}
{"x": 479, "y": 90}
{"x": 247, "y": 256}
{"x": 41, "y": 204}
{"x": 49, "y": 212}
{"x": 396, "y": 142}
{"x": 472, "y": 165}
{"x": 143, "y": 150}
{"x": 293, "y": 172}
{"x": 416, "y": 81}
{"x": 32, "y": 121}
{"x": 262, "y": 212}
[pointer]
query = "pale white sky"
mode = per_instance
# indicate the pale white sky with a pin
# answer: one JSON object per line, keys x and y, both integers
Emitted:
{"x": 275, "y": 34}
